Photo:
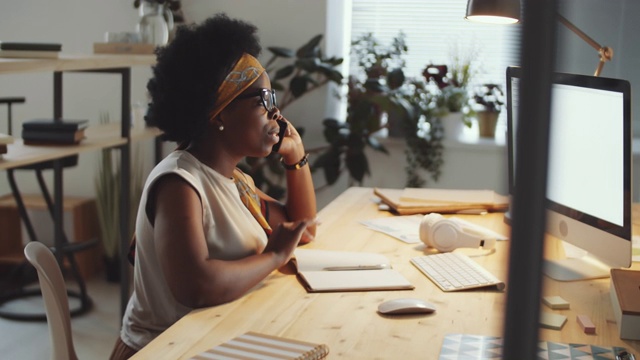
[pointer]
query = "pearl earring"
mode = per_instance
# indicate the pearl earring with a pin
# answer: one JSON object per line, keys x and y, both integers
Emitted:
{"x": 221, "y": 127}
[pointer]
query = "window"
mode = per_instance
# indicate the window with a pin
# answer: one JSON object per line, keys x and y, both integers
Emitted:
{"x": 436, "y": 32}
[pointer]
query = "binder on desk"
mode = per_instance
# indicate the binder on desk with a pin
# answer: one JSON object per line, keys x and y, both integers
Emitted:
{"x": 411, "y": 201}
{"x": 336, "y": 271}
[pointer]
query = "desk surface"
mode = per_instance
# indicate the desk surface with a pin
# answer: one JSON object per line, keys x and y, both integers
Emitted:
{"x": 349, "y": 323}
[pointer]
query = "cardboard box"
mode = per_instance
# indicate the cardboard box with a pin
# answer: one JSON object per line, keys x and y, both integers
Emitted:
{"x": 80, "y": 224}
{"x": 625, "y": 299}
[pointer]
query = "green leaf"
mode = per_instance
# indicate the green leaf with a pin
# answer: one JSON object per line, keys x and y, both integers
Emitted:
{"x": 395, "y": 78}
{"x": 357, "y": 165}
{"x": 308, "y": 64}
{"x": 328, "y": 72}
{"x": 277, "y": 86}
{"x": 281, "y": 52}
{"x": 310, "y": 49}
{"x": 284, "y": 72}
{"x": 298, "y": 85}
{"x": 376, "y": 145}
{"x": 333, "y": 61}
{"x": 329, "y": 161}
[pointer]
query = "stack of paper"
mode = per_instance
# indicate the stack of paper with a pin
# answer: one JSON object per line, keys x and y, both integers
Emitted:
{"x": 409, "y": 201}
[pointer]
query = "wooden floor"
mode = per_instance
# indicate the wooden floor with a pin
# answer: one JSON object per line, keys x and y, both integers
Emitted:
{"x": 94, "y": 333}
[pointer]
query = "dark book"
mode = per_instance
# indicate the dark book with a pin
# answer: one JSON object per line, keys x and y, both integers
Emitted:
{"x": 37, "y": 137}
{"x": 28, "y": 46}
{"x": 51, "y": 125}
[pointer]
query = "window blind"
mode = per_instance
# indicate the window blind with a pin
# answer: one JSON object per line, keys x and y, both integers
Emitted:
{"x": 436, "y": 32}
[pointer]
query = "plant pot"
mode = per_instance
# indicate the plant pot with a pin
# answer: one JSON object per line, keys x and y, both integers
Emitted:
{"x": 452, "y": 125}
{"x": 487, "y": 121}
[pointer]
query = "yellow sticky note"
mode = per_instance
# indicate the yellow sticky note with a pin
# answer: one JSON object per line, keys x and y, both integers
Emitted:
{"x": 552, "y": 321}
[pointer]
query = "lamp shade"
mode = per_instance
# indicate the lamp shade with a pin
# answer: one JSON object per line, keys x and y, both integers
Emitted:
{"x": 494, "y": 11}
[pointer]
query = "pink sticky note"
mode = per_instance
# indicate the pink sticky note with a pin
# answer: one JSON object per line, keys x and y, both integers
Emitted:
{"x": 586, "y": 324}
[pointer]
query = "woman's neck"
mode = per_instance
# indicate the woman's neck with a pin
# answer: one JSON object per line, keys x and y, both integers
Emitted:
{"x": 216, "y": 158}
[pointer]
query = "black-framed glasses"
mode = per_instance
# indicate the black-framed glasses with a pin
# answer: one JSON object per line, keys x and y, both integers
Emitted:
{"x": 267, "y": 96}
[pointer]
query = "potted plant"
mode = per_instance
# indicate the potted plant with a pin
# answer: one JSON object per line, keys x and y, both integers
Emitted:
{"x": 488, "y": 100}
{"x": 370, "y": 98}
{"x": 381, "y": 88}
{"x": 450, "y": 83}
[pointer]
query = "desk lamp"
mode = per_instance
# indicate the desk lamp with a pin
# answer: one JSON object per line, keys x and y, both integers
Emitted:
{"x": 508, "y": 12}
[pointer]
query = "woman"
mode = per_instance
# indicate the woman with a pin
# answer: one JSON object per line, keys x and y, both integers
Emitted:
{"x": 205, "y": 234}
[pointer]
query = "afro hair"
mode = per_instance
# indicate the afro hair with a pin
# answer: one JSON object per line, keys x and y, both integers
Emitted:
{"x": 189, "y": 71}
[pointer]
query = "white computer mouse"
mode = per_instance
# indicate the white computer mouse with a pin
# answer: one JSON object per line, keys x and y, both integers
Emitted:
{"x": 406, "y": 306}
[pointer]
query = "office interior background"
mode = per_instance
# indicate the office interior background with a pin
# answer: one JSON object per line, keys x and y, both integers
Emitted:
{"x": 287, "y": 23}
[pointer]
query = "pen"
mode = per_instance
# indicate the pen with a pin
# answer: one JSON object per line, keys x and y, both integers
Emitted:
{"x": 357, "y": 267}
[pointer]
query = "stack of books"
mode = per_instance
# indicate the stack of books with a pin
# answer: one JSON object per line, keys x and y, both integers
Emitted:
{"x": 4, "y": 141}
{"x": 409, "y": 201}
{"x": 52, "y": 132}
{"x": 29, "y": 50}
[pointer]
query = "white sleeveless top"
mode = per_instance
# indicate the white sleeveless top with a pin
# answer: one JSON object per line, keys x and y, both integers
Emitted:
{"x": 230, "y": 230}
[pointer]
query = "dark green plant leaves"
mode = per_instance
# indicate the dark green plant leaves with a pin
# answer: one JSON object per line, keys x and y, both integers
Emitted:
{"x": 282, "y": 52}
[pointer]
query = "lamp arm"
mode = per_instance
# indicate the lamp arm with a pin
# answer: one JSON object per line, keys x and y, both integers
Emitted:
{"x": 605, "y": 52}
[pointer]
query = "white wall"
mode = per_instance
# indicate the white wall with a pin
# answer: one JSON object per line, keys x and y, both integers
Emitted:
{"x": 609, "y": 23}
{"x": 288, "y": 23}
{"x": 77, "y": 24}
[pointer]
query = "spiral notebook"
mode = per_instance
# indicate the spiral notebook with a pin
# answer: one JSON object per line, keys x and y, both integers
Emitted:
{"x": 252, "y": 345}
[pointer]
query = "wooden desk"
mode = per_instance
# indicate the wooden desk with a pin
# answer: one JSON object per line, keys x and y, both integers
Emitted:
{"x": 349, "y": 323}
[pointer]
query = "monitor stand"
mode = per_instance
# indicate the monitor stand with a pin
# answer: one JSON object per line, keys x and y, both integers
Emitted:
{"x": 573, "y": 269}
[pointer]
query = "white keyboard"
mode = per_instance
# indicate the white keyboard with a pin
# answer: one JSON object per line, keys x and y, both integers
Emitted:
{"x": 454, "y": 272}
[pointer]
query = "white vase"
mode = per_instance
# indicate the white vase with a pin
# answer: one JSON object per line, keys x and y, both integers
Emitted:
{"x": 452, "y": 125}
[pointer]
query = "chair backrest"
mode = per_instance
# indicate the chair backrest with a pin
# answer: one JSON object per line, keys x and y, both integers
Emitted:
{"x": 54, "y": 293}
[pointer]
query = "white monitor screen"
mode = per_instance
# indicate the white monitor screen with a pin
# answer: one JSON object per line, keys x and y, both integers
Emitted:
{"x": 586, "y": 140}
{"x": 589, "y": 164}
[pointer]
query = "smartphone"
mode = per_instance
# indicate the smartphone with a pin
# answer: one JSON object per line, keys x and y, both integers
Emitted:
{"x": 283, "y": 129}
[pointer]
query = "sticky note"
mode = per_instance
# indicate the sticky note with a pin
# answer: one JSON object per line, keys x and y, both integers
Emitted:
{"x": 552, "y": 321}
{"x": 586, "y": 324}
{"x": 555, "y": 302}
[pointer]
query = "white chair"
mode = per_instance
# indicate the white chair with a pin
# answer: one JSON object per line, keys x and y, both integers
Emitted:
{"x": 54, "y": 293}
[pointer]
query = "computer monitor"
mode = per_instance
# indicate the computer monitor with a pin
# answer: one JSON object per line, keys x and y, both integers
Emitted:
{"x": 589, "y": 171}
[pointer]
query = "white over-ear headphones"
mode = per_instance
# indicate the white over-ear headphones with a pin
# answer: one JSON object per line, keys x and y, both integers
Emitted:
{"x": 447, "y": 235}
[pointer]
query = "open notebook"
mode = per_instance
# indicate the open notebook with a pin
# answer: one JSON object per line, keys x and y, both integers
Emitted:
{"x": 332, "y": 271}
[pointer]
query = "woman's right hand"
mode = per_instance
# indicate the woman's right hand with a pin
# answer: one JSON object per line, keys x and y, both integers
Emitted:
{"x": 284, "y": 239}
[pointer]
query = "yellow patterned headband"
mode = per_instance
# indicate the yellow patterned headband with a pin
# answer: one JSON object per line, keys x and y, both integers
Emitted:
{"x": 246, "y": 71}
